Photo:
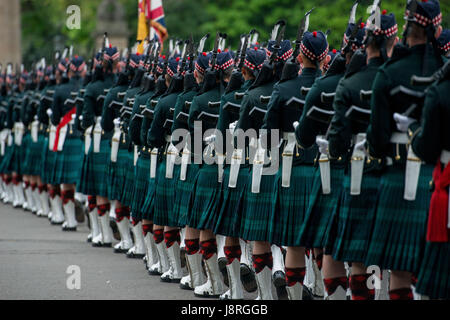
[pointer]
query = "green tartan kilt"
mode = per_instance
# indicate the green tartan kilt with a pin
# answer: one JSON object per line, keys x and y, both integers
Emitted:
{"x": 355, "y": 219}
{"x": 183, "y": 201}
{"x": 33, "y": 157}
{"x": 398, "y": 237}
{"x": 290, "y": 206}
{"x": 227, "y": 219}
{"x": 117, "y": 175}
{"x": 254, "y": 223}
{"x": 148, "y": 209}
{"x": 127, "y": 195}
{"x": 25, "y": 147}
{"x": 205, "y": 195}
{"x": 17, "y": 158}
{"x": 319, "y": 225}
{"x": 165, "y": 196}
{"x": 433, "y": 278}
{"x": 6, "y": 159}
{"x": 48, "y": 159}
{"x": 141, "y": 174}
{"x": 95, "y": 170}
{"x": 68, "y": 162}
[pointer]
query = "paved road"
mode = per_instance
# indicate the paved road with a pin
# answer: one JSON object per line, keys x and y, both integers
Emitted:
{"x": 34, "y": 257}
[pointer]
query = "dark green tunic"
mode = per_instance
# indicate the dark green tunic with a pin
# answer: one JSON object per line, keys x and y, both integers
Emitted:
{"x": 398, "y": 235}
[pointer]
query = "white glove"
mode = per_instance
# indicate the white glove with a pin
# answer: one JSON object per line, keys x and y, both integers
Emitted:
{"x": 210, "y": 139}
{"x": 361, "y": 146}
{"x": 35, "y": 117}
{"x": 232, "y": 126}
{"x": 403, "y": 122}
{"x": 295, "y": 125}
{"x": 116, "y": 121}
{"x": 80, "y": 117}
{"x": 323, "y": 145}
{"x": 49, "y": 112}
{"x": 74, "y": 116}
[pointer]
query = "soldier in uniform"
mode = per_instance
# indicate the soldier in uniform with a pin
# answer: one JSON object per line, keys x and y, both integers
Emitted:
{"x": 400, "y": 219}
{"x": 95, "y": 163}
{"x": 356, "y": 213}
{"x": 67, "y": 143}
{"x": 430, "y": 141}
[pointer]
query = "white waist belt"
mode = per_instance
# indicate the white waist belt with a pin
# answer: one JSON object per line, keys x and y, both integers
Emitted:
{"x": 19, "y": 129}
{"x": 357, "y": 167}
{"x": 236, "y": 159}
{"x": 115, "y": 141}
{"x": 35, "y": 131}
{"x": 287, "y": 155}
{"x": 399, "y": 138}
{"x": 184, "y": 163}
{"x": 153, "y": 162}
{"x": 51, "y": 137}
{"x": 135, "y": 155}
{"x": 3, "y": 137}
{"x": 172, "y": 153}
{"x": 258, "y": 164}
{"x": 97, "y": 134}
{"x": 87, "y": 139}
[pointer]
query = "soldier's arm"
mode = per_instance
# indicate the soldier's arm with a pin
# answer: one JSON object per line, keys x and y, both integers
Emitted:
{"x": 176, "y": 123}
{"x": 88, "y": 111}
{"x": 107, "y": 114}
{"x": 427, "y": 143}
{"x": 381, "y": 120}
{"x": 307, "y": 129}
{"x": 56, "y": 108}
{"x": 340, "y": 132}
{"x": 155, "y": 137}
{"x": 134, "y": 129}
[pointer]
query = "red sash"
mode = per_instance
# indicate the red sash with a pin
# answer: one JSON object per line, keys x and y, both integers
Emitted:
{"x": 64, "y": 121}
{"x": 438, "y": 214}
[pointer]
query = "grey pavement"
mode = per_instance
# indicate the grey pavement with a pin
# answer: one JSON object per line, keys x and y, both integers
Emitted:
{"x": 34, "y": 257}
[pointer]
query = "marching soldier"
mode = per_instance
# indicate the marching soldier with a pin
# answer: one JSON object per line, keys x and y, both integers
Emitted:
{"x": 67, "y": 143}
{"x": 355, "y": 216}
{"x": 430, "y": 141}
{"x": 400, "y": 219}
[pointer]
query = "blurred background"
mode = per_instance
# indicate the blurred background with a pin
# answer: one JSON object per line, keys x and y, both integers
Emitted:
{"x": 40, "y": 25}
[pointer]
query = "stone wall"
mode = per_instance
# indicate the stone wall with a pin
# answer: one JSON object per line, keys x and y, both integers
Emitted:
{"x": 10, "y": 32}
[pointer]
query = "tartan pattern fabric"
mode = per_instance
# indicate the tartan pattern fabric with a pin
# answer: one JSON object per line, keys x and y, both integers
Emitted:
{"x": 33, "y": 157}
{"x": 433, "y": 278}
{"x": 359, "y": 289}
{"x": 141, "y": 178}
{"x": 165, "y": 196}
{"x": 260, "y": 261}
{"x": 254, "y": 224}
{"x": 47, "y": 162}
{"x": 68, "y": 162}
{"x": 318, "y": 228}
{"x": 148, "y": 208}
{"x": 398, "y": 236}
{"x": 183, "y": 201}
{"x": 290, "y": 206}
{"x": 355, "y": 219}
{"x": 227, "y": 219}
{"x": 117, "y": 175}
{"x": 205, "y": 193}
{"x": 16, "y": 162}
{"x": 95, "y": 170}
{"x": 128, "y": 187}
{"x": 6, "y": 160}
{"x": 331, "y": 284}
{"x": 294, "y": 275}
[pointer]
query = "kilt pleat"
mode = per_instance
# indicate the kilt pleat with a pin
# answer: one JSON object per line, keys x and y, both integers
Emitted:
{"x": 165, "y": 196}
{"x": 6, "y": 160}
{"x": 148, "y": 208}
{"x": 68, "y": 162}
{"x": 226, "y": 221}
{"x": 355, "y": 219}
{"x": 141, "y": 178}
{"x": 48, "y": 159}
{"x": 33, "y": 157}
{"x": 16, "y": 162}
{"x": 433, "y": 278}
{"x": 117, "y": 175}
{"x": 128, "y": 189}
{"x": 257, "y": 209}
{"x": 290, "y": 206}
{"x": 183, "y": 201}
{"x": 205, "y": 195}
{"x": 319, "y": 226}
{"x": 398, "y": 237}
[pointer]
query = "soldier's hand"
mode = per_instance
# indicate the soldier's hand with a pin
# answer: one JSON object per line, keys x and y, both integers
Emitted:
{"x": 49, "y": 112}
{"x": 361, "y": 146}
{"x": 116, "y": 121}
{"x": 295, "y": 125}
{"x": 323, "y": 145}
{"x": 232, "y": 126}
{"x": 402, "y": 122}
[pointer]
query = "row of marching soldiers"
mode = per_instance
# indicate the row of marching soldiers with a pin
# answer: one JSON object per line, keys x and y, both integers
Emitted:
{"x": 338, "y": 179}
